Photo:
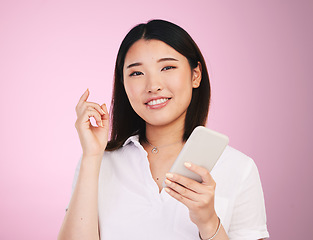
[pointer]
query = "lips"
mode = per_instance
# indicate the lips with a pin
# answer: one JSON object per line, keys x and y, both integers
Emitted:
{"x": 157, "y": 101}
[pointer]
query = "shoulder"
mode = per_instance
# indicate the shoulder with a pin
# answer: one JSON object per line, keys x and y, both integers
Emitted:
{"x": 129, "y": 154}
{"x": 234, "y": 166}
{"x": 231, "y": 157}
{"x": 128, "y": 149}
{"x": 114, "y": 157}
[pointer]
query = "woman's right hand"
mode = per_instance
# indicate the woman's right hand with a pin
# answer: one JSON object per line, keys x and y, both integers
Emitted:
{"x": 93, "y": 139}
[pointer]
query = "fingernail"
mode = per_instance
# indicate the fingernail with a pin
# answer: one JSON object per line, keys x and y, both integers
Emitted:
{"x": 167, "y": 182}
{"x": 169, "y": 175}
{"x": 167, "y": 190}
{"x": 187, "y": 164}
{"x": 102, "y": 111}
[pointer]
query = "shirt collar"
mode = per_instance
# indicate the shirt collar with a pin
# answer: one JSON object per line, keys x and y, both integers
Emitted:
{"x": 134, "y": 139}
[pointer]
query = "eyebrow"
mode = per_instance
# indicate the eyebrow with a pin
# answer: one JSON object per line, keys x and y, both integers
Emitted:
{"x": 167, "y": 59}
{"x": 160, "y": 60}
{"x": 134, "y": 65}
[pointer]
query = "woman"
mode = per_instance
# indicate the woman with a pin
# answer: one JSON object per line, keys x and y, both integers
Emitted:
{"x": 161, "y": 93}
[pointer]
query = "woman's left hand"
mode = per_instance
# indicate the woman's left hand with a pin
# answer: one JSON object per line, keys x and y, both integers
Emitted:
{"x": 197, "y": 197}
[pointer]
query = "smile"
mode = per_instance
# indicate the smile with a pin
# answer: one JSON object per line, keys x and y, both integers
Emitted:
{"x": 157, "y": 101}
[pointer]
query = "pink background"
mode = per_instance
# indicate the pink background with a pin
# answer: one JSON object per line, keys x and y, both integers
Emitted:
{"x": 259, "y": 55}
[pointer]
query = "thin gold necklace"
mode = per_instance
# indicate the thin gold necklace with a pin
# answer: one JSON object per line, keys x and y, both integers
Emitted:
{"x": 155, "y": 149}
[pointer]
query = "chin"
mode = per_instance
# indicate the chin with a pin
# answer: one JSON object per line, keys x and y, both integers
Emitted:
{"x": 165, "y": 121}
{"x": 158, "y": 123}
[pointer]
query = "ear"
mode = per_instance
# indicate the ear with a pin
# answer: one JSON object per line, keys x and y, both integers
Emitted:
{"x": 196, "y": 76}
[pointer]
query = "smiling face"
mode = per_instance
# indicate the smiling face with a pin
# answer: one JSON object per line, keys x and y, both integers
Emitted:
{"x": 158, "y": 82}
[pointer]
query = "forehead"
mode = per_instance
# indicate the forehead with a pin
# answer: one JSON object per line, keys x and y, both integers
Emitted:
{"x": 150, "y": 50}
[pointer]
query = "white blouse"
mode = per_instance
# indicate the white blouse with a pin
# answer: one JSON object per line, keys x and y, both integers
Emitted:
{"x": 131, "y": 207}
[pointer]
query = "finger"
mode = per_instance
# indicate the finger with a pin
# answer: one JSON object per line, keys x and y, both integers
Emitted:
{"x": 84, "y": 97}
{"x": 104, "y": 108}
{"x": 185, "y": 192}
{"x": 97, "y": 116}
{"x": 187, "y": 202}
{"x": 96, "y": 106}
{"x": 186, "y": 182}
{"x": 203, "y": 172}
{"x": 105, "y": 116}
{"x": 87, "y": 114}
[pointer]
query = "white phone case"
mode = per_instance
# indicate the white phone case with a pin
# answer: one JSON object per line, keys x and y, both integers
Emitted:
{"x": 204, "y": 147}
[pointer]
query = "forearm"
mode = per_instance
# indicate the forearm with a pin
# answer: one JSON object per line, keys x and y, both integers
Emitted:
{"x": 81, "y": 219}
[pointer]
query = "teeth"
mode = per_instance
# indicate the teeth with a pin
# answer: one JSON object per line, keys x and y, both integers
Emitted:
{"x": 158, "y": 101}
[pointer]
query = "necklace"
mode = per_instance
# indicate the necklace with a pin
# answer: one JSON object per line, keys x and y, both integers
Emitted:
{"x": 155, "y": 149}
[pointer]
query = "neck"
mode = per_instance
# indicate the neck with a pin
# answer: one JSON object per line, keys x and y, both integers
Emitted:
{"x": 164, "y": 135}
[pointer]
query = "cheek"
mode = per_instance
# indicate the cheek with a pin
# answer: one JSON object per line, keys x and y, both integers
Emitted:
{"x": 182, "y": 84}
{"x": 184, "y": 91}
{"x": 129, "y": 89}
{"x": 132, "y": 93}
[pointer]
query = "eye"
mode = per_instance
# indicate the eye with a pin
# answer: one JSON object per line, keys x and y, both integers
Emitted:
{"x": 168, "y": 68}
{"x": 135, "y": 74}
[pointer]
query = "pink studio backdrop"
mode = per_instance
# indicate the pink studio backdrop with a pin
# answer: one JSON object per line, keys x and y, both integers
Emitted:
{"x": 259, "y": 55}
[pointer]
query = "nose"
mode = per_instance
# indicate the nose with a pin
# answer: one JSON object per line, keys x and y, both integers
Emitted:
{"x": 154, "y": 84}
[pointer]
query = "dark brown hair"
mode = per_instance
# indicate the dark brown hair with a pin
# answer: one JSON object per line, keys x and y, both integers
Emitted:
{"x": 124, "y": 120}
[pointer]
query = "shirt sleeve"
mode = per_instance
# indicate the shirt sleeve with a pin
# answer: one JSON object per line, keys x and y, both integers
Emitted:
{"x": 249, "y": 217}
{"x": 75, "y": 178}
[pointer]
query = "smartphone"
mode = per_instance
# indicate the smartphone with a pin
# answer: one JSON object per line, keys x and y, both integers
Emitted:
{"x": 204, "y": 147}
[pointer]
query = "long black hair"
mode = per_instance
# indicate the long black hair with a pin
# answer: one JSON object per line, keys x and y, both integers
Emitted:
{"x": 124, "y": 120}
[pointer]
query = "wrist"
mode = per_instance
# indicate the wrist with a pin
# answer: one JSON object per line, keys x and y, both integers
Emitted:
{"x": 210, "y": 230}
{"x": 93, "y": 161}
{"x": 92, "y": 157}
